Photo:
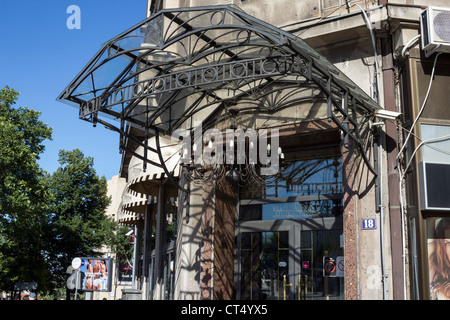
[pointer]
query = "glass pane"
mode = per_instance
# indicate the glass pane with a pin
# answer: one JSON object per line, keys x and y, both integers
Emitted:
{"x": 306, "y": 239}
{"x": 248, "y": 213}
{"x": 169, "y": 276}
{"x": 302, "y": 209}
{"x": 300, "y": 178}
{"x": 246, "y": 242}
{"x": 283, "y": 242}
{"x": 263, "y": 265}
{"x": 307, "y": 177}
{"x": 438, "y": 138}
{"x": 315, "y": 245}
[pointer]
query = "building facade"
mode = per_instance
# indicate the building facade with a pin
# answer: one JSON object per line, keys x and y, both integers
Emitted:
{"x": 279, "y": 150}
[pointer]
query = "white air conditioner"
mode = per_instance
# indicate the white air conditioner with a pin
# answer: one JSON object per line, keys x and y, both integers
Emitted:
{"x": 435, "y": 30}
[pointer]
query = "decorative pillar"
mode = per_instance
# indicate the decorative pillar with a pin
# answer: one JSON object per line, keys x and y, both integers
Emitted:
{"x": 207, "y": 242}
{"x": 349, "y": 172}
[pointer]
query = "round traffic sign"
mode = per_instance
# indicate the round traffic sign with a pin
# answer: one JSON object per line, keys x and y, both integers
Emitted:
{"x": 330, "y": 266}
{"x": 76, "y": 263}
{"x": 341, "y": 265}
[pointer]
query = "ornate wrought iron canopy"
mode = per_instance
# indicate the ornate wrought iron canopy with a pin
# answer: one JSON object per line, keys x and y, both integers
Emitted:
{"x": 192, "y": 64}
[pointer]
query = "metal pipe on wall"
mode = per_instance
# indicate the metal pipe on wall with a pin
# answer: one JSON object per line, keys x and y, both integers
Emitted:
{"x": 395, "y": 214}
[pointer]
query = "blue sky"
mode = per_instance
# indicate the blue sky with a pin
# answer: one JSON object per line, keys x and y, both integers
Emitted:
{"x": 39, "y": 56}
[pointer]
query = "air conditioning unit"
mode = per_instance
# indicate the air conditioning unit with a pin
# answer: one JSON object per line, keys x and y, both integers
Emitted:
{"x": 434, "y": 180}
{"x": 435, "y": 30}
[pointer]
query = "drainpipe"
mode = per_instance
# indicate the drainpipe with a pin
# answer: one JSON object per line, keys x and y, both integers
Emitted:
{"x": 395, "y": 214}
{"x": 379, "y": 195}
{"x": 376, "y": 95}
{"x": 383, "y": 267}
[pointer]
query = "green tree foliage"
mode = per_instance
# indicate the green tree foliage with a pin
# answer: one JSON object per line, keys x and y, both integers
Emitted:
{"x": 46, "y": 220}
{"x": 78, "y": 224}
{"x": 24, "y": 197}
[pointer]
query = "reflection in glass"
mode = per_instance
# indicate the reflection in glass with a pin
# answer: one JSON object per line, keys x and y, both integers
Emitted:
{"x": 300, "y": 178}
{"x": 305, "y": 178}
{"x": 314, "y": 246}
{"x": 265, "y": 260}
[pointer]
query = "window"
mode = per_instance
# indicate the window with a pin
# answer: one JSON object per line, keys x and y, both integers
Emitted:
{"x": 306, "y": 189}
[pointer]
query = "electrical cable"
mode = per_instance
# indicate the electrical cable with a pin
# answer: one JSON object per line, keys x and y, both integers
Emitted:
{"x": 372, "y": 35}
{"x": 420, "y": 145}
{"x": 408, "y": 44}
{"x": 376, "y": 94}
{"x": 401, "y": 177}
{"x": 410, "y": 132}
{"x": 422, "y": 108}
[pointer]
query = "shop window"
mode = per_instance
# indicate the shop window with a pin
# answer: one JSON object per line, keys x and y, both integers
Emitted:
{"x": 305, "y": 189}
{"x": 299, "y": 178}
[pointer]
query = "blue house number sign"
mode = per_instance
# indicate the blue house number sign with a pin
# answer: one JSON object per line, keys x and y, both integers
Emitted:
{"x": 369, "y": 224}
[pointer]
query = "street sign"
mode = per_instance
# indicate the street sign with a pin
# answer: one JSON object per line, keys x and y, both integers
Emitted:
{"x": 74, "y": 280}
{"x": 329, "y": 267}
{"x": 369, "y": 224}
{"x": 340, "y": 266}
{"x": 76, "y": 263}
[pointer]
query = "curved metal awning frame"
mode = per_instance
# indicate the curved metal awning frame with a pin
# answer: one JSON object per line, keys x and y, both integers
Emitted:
{"x": 164, "y": 72}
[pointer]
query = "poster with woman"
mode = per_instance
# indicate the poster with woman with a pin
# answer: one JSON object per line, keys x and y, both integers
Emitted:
{"x": 96, "y": 274}
{"x": 438, "y": 235}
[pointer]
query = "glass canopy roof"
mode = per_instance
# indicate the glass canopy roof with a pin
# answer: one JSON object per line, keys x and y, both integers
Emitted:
{"x": 187, "y": 64}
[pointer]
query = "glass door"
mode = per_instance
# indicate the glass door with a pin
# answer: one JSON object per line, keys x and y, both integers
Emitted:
{"x": 265, "y": 264}
{"x": 321, "y": 274}
{"x": 279, "y": 260}
{"x": 289, "y": 229}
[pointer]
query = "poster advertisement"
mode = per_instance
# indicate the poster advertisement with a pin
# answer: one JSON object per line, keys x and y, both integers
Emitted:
{"x": 438, "y": 235}
{"x": 96, "y": 274}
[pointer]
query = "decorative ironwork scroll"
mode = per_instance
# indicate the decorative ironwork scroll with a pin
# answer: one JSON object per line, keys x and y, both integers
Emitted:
{"x": 187, "y": 64}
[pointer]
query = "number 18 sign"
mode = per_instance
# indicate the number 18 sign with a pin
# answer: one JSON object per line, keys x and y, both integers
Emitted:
{"x": 369, "y": 224}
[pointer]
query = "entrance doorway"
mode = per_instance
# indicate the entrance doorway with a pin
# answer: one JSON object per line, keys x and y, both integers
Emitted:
{"x": 289, "y": 235}
{"x": 283, "y": 260}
